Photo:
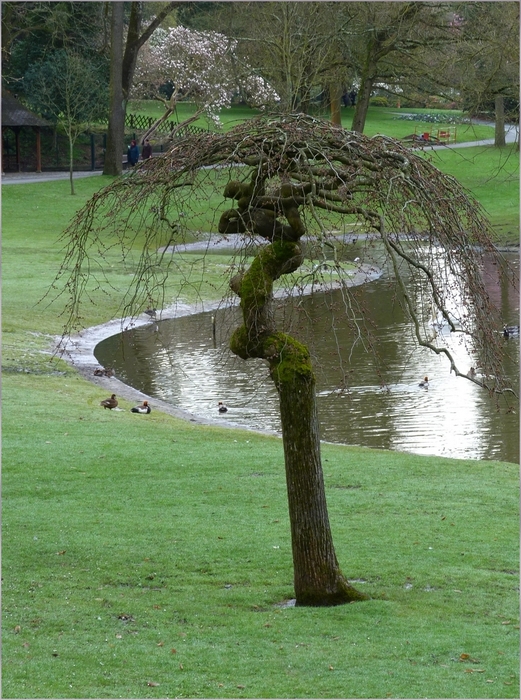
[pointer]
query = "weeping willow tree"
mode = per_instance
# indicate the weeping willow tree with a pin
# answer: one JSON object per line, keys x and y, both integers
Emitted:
{"x": 288, "y": 180}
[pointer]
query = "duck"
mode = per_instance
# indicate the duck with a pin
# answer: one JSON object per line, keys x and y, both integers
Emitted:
{"x": 509, "y": 331}
{"x": 110, "y": 403}
{"x": 152, "y": 313}
{"x": 222, "y": 408}
{"x": 144, "y": 408}
{"x": 424, "y": 383}
{"x": 104, "y": 372}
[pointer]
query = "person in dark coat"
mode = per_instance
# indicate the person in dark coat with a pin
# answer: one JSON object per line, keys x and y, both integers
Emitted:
{"x": 133, "y": 153}
{"x": 146, "y": 151}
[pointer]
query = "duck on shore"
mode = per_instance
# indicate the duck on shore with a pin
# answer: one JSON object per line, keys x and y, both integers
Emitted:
{"x": 144, "y": 408}
{"x": 110, "y": 403}
{"x": 221, "y": 407}
{"x": 424, "y": 383}
{"x": 104, "y": 372}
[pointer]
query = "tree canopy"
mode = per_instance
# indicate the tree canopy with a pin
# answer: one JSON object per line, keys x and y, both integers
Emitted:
{"x": 300, "y": 176}
{"x": 292, "y": 178}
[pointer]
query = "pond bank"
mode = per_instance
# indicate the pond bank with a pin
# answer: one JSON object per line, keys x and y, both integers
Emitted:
{"x": 79, "y": 349}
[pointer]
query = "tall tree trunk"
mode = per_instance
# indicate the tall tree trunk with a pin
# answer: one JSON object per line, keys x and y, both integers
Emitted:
{"x": 135, "y": 41}
{"x": 122, "y": 67}
{"x": 363, "y": 97}
{"x": 317, "y": 575}
{"x": 335, "y": 98}
{"x": 499, "y": 136}
{"x": 116, "y": 129}
{"x": 132, "y": 47}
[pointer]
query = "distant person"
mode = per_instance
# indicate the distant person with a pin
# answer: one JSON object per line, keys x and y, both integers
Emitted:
{"x": 146, "y": 151}
{"x": 352, "y": 97}
{"x": 133, "y": 153}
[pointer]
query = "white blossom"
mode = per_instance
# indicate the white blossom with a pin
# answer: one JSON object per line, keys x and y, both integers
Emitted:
{"x": 202, "y": 67}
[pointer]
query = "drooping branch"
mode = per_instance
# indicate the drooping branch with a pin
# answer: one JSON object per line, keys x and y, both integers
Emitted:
{"x": 292, "y": 175}
{"x": 294, "y": 180}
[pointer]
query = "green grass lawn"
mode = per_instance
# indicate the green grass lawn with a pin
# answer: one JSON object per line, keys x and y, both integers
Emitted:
{"x": 380, "y": 120}
{"x": 492, "y": 175}
{"x": 385, "y": 120}
{"x": 146, "y": 550}
{"x": 144, "y": 556}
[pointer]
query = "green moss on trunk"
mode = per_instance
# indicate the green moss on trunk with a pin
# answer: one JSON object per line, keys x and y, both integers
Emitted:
{"x": 318, "y": 578}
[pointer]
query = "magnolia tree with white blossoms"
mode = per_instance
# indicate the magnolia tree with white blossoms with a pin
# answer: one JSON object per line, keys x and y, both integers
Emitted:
{"x": 200, "y": 66}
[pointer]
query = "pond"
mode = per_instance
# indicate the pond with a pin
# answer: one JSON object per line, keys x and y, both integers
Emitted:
{"x": 359, "y": 403}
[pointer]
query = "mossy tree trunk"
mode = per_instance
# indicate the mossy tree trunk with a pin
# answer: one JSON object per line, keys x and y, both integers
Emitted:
{"x": 317, "y": 575}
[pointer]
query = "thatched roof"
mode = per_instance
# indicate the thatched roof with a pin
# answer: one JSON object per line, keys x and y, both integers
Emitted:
{"x": 15, "y": 114}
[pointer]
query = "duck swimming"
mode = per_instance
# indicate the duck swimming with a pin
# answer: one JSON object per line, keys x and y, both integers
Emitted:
{"x": 144, "y": 408}
{"x": 222, "y": 408}
{"x": 110, "y": 403}
{"x": 509, "y": 331}
{"x": 424, "y": 383}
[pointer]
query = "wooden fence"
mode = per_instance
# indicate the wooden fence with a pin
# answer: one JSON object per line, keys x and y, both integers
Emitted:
{"x": 142, "y": 123}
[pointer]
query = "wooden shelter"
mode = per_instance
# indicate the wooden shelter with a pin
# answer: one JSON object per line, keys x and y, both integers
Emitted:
{"x": 17, "y": 117}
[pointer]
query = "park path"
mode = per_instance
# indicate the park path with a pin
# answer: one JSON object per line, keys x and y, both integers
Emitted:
{"x": 511, "y": 136}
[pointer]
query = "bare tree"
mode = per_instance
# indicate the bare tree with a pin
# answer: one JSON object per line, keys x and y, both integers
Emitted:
{"x": 289, "y": 178}
{"x": 388, "y": 41}
{"x": 296, "y": 45}
{"x": 485, "y": 60}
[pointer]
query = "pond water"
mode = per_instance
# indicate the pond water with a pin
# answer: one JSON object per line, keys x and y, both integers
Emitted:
{"x": 359, "y": 404}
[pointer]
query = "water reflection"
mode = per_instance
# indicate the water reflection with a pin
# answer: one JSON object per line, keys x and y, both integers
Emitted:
{"x": 360, "y": 402}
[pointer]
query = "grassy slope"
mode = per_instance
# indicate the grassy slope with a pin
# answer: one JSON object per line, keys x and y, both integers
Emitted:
{"x": 108, "y": 514}
{"x": 492, "y": 175}
{"x": 185, "y": 530}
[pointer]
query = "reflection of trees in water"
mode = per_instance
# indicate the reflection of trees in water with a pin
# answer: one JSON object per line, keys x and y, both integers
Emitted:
{"x": 503, "y": 294}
